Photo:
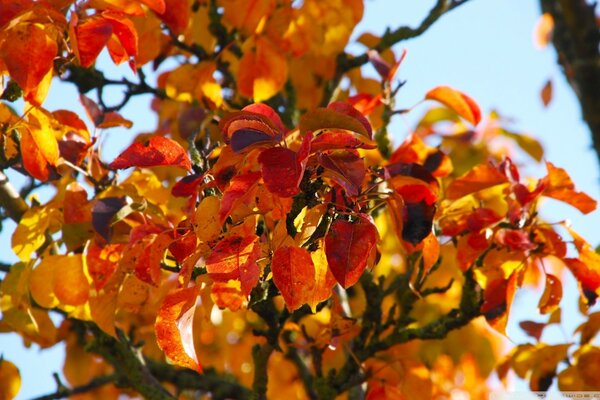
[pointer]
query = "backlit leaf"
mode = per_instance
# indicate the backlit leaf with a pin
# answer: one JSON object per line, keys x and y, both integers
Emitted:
{"x": 330, "y": 118}
{"x": 173, "y": 327}
{"x": 156, "y": 151}
{"x": 542, "y": 32}
{"x": 28, "y": 52}
{"x": 348, "y": 247}
{"x": 238, "y": 189}
{"x": 559, "y": 186}
{"x": 263, "y": 72}
{"x": 552, "y": 295}
{"x": 29, "y": 235}
{"x": 234, "y": 258}
{"x": 462, "y": 104}
{"x": 480, "y": 177}
{"x": 91, "y": 36}
{"x": 497, "y": 300}
{"x": 206, "y": 219}
{"x": 10, "y": 380}
{"x": 60, "y": 280}
{"x": 293, "y": 274}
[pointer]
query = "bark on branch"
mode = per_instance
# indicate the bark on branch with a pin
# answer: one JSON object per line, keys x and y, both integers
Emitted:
{"x": 576, "y": 39}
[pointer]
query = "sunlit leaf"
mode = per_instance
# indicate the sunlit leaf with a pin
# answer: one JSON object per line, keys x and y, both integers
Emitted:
{"x": 262, "y": 72}
{"x": 348, "y": 246}
{"x": 480, "y": 177}
{"x": 281, "y": 171}
{"x": 559, "y": 186}
{"x": 552, "y": 295}
{"x": 234, "y": 258}
{"x": 10, "y": 380}
{"x": 28, "y": 52}
{"x": 542, "y": 32}
{"x": 238, "y": 189}
{"x": 156, "y": 151}
{"x": 462, "y": 104}
{"x": 173, "y": 327}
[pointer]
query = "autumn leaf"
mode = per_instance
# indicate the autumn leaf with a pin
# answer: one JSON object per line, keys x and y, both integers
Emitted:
{"x": 462, "y": 104}
{"x": 348, "y": 246}
{"x": 559, "y": 186}
{"x": 497, "y": 300}
{"x": 335, "y": 118}
{"x": 238, "y": 189}
{"x": 480, "y": 177}
{"x": 552, "y": 295}
{"x": 281, "y": 171}
{"x": 262, "y": 72}
{"x": 103, "y": 212}
{"x": 90, "y": 37}
{"x": 234, "y": 258}
{"x": 294, "y": 275}
{"x": 28, "y": 53}
{"x": 542, "y": 32}
{"x": 173, "y": 327}
{"x": 10, "y": 380}
{"x": 546, "y": 93}
{"x": 60, "y": 281}
{"x": 154, "y": 152}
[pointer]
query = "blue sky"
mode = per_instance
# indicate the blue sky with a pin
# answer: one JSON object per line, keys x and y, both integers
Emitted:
{"x": 485, "y": 49}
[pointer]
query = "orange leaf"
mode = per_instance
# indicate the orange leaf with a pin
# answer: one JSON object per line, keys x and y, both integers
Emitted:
{"x": 173, "y": 327}
{"x": 542, "y": 32}
{"x": 33, "y": 159}
{"x": 28, "y": 52}
{"x": 176, "y": 15}
{"x": 151, "y": 153}
{"x": 462, "y": 104}
{"x": 348, "y": 246}
{"x": 559, "y": 186}
{"x": 552, "y": 295}
{"x": 332, "y": 118}
{"x": 234, "y": 258}
{"x": 262, "y": 73}
{"x": 546, "y": 93}
{"x": 480, "y": 177}
{"x": 293, "y": 274}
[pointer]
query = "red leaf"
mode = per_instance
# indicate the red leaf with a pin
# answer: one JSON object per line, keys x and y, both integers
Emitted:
{"x": 331, "y": 118}
{"x": 234, "y": 258}
{"x": 348, "y": 247}
{"x": 124, "y": 30}
{"x": 533, "y": 329}
{"x": 90, "y": 38}
{"x": 187, "y": 186}
{"x": 345, "y": 168}
{"x": 173, "y": 327}
{"x": 330, "y": 139}
{"x": 151, "y": 153}
{"x": 515, "y": 240}
{"x": 348, "y": 109}
{"x": 265, "y": 110}
{"x": 238, "y": 189}
{"x": 497, "y": 299}
{"x": 281, "y": 171}
{"x": 176, "y": 15}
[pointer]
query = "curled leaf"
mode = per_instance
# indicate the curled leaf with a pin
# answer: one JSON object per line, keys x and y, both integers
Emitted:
{"x": 462, "y": 104}
{"x": 173, "y": 327}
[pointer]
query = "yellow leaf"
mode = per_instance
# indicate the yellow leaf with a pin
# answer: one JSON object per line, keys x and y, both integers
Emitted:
{"x": 542, "y": 32}
{"x": 10, "y": 380}
{"x": 262, "y": 72}
{"x": 59, "y": 280}
{"x": 206, "y": 220}
{"x": 30, "y": 233}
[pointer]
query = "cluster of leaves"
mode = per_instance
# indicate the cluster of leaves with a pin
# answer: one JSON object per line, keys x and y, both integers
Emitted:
{"x": 260, "y": 237}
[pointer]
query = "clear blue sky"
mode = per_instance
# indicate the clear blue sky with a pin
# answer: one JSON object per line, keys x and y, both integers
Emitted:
{"x": 485, "y": 49}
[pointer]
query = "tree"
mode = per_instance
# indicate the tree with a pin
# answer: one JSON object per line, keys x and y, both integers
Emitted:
{"x": 269, "y": 241}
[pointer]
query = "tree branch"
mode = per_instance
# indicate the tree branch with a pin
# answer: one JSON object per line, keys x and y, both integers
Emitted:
{"x": 576, "y": 38}
{"x": 128, "y": 363}
{"x": 64, "y": 392}
{"x": 10, "y": 199}
{"x": 347, "y": 62}
{"x": 219, "y": 386}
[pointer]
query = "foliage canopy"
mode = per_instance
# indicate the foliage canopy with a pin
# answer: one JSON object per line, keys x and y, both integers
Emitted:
{"x": 267, "y": 240}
